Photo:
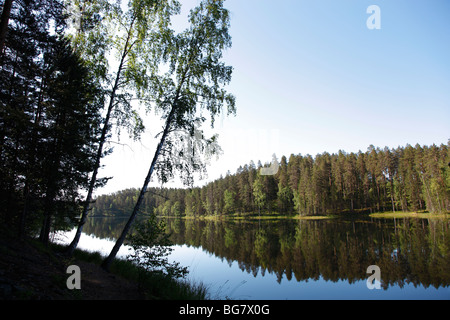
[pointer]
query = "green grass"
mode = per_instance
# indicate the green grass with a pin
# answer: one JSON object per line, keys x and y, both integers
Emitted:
{"x": 299, "y": 217}
{"x": 401, "y": 214}
{"x": 153, "y": 285}
{"x": 274, "y": 216}
{"x": 157, "y": 286}
{"x": 262, "y": 216}
{"x": 86, "y": 256}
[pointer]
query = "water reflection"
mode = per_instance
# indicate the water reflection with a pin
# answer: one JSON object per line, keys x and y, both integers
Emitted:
{"x": 409, "y": 252}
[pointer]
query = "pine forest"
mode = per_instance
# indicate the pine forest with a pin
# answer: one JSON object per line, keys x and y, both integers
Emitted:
{"x": 404, "y": 179}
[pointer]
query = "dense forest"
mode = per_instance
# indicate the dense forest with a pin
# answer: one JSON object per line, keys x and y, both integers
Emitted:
{"x": 50, "y": 112}
{"x": 75, "y": 74}
{"x": 402, "y": 179}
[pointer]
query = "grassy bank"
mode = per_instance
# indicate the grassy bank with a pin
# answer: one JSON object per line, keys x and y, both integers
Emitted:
{"x": 275, "y": 216}
{"x": 256, "y": 216}
{"x": 151, "y": 285}
{"x": 401, "y": 214}
{"x": 31, "y": 271}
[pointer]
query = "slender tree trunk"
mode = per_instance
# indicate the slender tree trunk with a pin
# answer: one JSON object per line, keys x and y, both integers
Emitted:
{"x": 49, "y": 201}
{"x": 22, "y": 219}
{"x": 107, "y": 262}
{"x": 4, "y": 23}
{"x": 46, "y": 224}
{"x": 105, "y": 130}
{"x": 45, "y": 229}
{"x": 53, "y": 176}
{"x": 31, "y": 163}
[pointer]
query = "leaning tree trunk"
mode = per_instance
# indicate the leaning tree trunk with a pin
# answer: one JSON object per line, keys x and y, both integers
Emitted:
{"x": 105, "y": 130}
{"x": 87, "y": 201}
{"x": 107, "y": 262}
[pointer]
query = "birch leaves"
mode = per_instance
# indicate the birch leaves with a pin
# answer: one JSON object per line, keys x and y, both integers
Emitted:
{"x": 192, "y": 90}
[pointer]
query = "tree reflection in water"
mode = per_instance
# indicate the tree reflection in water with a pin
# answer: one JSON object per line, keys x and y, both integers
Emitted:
{"x": 411, "y": 251}
{"x": 408, "y": 251}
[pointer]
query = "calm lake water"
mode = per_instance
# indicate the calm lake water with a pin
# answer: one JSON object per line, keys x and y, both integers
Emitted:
{"x": 290, "y": 259}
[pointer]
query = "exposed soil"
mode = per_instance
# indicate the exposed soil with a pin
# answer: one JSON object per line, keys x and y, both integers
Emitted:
{"x": 29, "y": 273}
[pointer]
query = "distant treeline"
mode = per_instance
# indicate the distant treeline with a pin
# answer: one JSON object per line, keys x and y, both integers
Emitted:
{"x": 402, "y": 179}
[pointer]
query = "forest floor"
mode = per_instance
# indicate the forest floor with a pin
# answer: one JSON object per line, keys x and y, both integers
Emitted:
{"x": 29, "y": 271}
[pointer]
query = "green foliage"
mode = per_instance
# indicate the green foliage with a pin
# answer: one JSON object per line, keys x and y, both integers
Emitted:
{"x": 190, "y": 91}
{"x": 285, "y": 196}
{"x": 176, "y": 209}
{"x": 229, "y": 197}
{"x": 166, "y": 211}
{"x": 259, "y": 193}
{"x": 150, "y": 248}
{"x": 377, "y": 180}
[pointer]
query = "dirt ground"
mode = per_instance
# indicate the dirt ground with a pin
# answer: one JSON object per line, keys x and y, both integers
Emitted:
{"x": 29, "y": 273}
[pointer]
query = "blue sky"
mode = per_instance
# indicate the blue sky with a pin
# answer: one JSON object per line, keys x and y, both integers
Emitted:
{"x": 310, "y": 77}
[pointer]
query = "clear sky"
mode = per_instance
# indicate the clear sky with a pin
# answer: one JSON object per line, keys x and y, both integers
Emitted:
{"x": 310, "y": 76}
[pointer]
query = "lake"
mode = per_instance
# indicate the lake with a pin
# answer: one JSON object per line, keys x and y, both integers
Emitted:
{"x": 301, "y": 259}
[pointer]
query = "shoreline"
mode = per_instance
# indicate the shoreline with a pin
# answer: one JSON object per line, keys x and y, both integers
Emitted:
{"x": 273, "y": 216}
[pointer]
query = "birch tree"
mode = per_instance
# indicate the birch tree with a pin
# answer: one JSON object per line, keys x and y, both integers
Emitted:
{"x": 192, "y": 87}
{"x": 135, "y": 38}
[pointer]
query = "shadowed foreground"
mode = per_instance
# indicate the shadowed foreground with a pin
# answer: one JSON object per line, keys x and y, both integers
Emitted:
{"x": 29, "y": 271}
